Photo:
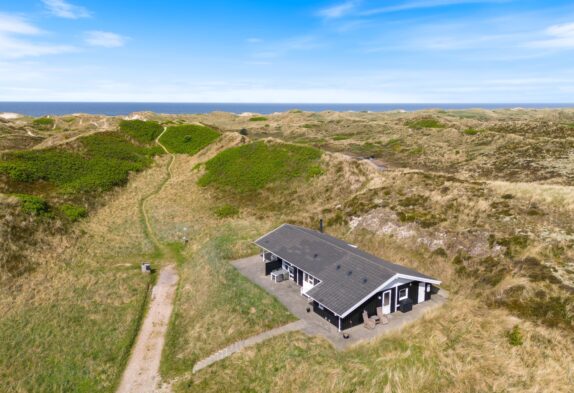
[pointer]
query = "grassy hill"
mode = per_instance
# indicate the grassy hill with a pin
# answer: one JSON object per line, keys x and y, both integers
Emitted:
{"x": 481, "y": 199}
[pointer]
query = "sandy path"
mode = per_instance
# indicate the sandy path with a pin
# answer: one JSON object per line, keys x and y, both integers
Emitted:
{"x": 142, "y": 372}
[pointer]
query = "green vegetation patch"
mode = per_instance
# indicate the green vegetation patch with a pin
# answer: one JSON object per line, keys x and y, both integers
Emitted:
{"x": 471, "y": 131}
{"x": 251, "y": 167}
{"x": 226, "y": 210}
{"x": 342, "y": 137}
{"x": 188, "y": 139}
{"x": 73, "y": 212}
{"x": 258, "y": 118}
{"x": 424, "y": 123}
{"x": 31, "y": 204}
{"x": 43, "y": 122}
{"x": 75, "y": 339}
{"x": 101, "y": 162}
{"x": 515, "y": 336}
{"x": 142, "y": 131}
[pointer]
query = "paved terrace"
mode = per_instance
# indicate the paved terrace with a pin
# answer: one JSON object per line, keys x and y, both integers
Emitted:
{"x": 288, "y": 293}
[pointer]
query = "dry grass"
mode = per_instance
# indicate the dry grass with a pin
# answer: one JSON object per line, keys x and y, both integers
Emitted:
{"x": 447, "y": 205}
{"x": 69, "y": 325}
{"x": 462, "y": 348}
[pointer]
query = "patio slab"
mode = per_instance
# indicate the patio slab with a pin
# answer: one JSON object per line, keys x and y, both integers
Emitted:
{"x": 288, "y": 293}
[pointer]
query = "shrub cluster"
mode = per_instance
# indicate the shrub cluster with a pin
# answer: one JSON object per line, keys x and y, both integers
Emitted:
{"x": 188, "y": 139}
{"x": 102, "y": 161}
{"x": 142, "y": 131}
{"x": 251, "y": 167}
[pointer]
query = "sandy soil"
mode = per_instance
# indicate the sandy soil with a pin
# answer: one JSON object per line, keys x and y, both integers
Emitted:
{"x": 142, "y": 373}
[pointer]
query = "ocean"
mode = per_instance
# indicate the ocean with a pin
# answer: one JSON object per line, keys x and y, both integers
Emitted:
{"x": 124, "y": 108}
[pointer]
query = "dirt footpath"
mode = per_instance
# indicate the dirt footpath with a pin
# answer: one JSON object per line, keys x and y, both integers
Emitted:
{"x": 142, "y": 372}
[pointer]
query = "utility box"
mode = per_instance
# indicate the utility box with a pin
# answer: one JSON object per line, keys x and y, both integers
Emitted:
{"x": 146, "y": 267}
{"x": 406, "y": 305}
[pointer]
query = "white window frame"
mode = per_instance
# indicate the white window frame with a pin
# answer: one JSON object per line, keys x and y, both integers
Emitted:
{"x": 309, "y": 279}
{"x": 406, "y": 294}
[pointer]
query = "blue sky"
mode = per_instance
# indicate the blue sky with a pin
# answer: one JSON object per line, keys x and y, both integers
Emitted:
{"x": 379, "y": 51}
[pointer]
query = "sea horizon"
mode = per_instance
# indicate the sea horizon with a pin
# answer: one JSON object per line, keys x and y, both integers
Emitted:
{"x": 57, "y": 108}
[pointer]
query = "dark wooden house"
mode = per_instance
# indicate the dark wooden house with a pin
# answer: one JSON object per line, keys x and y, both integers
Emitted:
{"x": 339, "y": 279}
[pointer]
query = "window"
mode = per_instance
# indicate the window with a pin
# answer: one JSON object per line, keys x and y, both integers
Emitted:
{"x": 428, "y": 287}
{"x": 403, "y": 293}
{"x": 309, "y": 279}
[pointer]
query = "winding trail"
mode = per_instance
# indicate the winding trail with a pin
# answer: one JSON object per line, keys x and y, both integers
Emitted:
{"x": 142, "y": 371}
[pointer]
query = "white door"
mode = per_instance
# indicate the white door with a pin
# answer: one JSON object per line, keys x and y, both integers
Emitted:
{"x": 387, "y": 302}
{"x": 422, "y": 287}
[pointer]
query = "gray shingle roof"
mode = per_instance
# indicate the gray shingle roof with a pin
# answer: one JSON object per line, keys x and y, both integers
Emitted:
{"x": 347, "y": 274}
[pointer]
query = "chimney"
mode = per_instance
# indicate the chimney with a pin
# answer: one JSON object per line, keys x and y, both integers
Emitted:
{"x": 321, "y": 225}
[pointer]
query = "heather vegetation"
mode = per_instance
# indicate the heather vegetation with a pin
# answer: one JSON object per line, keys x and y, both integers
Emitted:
{"x": 467, "y": 207}
{"x": 249, "y": 168}
{"x": 142, "y": 131}
{"x": 100, "y": 162}
{"x": 188, "y": 138}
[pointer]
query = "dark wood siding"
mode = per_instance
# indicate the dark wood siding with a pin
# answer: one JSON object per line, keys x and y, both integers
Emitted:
{"x": 356, "y": 316}
{"x": 326, "y": 314}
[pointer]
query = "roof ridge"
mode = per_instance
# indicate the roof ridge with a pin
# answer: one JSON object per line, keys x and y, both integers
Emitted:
{"x": 335, "y": 245}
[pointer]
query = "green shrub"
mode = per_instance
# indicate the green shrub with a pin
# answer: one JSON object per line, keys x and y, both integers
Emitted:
{"x": 43, "y": 122}
{"x": 103, "y": 160}
{"x": 251, "y": 167}
{"x": 515, "y": 336}
{"x": 226, "y": 211}
{"x": 258, "y": 118}
{"x": 470, "y": 131}
{"x": 142, "y": 131}
{"x": 341, "y": 137}
{"x": 188, "y": 139}
{"x": 73, "y": 212}
{"x": 31, "y": 204}
{"x": 425, "y": 123}
{"x": 244, "y": 131}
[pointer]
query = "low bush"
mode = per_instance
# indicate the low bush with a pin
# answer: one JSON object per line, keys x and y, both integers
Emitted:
{"x": 251, "y": 167}
{"x": 43, "y": 122}
{"x": 73, "y": 212}
{"x": 101, "y": 162}
{"x": 258, "y": 118}
{"x": 470, "y": 131}
{"x": 142, "y": 131}
{"x": 226, "y": 211}
{"x": 188, "y": 139}
{"x": 32, "y": 204}
{"x": 515, "y": 336}
{"x": 429, "y": 122}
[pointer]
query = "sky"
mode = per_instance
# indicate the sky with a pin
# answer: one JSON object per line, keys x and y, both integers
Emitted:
{"x": 355, "y": 51}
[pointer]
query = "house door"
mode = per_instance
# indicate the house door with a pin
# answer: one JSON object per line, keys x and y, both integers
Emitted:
{"x": 387, "y": 302}
{"x": 422, "y": 287}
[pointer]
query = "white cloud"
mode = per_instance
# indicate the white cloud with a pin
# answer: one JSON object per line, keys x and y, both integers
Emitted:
{"x": 62, "y": 9}
{"x": 105, "y": 39}
{"x": 13, "y": 47}
{"x": 339, "y": 10}
{"x": 254, "y": 40}
{"x": 560, "y": 37}
{"x": 14, "y": 24}
{"x": 414, "y": 5}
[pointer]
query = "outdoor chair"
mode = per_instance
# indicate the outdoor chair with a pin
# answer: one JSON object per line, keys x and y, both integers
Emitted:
{"x": 368, "y": 323}
{"x": 384, "y": 319}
